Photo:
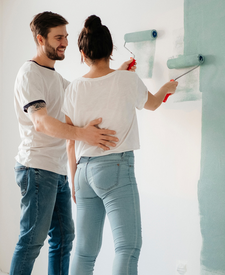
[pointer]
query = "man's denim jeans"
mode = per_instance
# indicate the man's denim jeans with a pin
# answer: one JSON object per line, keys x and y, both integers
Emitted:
{"x": 107, "y": 185}
{"x": 45, "y": 210}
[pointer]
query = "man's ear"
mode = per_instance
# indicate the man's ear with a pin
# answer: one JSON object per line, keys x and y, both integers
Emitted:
{"x": 40, "y": 40}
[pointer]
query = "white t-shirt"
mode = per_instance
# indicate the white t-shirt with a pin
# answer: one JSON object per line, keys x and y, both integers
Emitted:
{"x": 113, "y": 97}
{"x": 36, "y": 83}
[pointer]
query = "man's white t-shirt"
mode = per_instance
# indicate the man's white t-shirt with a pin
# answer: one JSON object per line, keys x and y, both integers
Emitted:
{"x": 36, "y": 83}
{"x": 113, "y": 97}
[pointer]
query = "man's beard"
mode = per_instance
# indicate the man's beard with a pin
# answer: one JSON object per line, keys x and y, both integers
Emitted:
{"x": 52, "y": 52}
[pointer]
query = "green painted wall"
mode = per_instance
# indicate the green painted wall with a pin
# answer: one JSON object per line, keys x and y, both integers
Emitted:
{"x": 204, "y": 23}
{"x": 144, "y": 52}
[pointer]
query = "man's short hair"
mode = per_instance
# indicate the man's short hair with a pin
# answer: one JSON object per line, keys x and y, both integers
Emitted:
{"x": 42, "y": 23}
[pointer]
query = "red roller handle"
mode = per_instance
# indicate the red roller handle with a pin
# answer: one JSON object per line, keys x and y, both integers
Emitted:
{"x": 167, "y": 95}
{"x": 131, "y": 64}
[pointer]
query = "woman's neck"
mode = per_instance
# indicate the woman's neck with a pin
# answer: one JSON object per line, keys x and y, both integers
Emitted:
{"x": 98, "y": 68}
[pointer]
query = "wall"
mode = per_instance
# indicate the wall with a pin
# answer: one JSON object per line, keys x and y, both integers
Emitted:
{"x": 1, "y": 115}
{"x": 167, "y": 166}
{"x": 204, "y": 21}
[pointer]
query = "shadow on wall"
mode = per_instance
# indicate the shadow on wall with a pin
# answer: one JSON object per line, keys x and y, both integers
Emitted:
{"x": 2, "y": 273}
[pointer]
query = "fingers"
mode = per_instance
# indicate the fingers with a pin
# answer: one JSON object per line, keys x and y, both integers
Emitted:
{"x": 175, "y": 83}
{"x": 108, "y": 133}
{"x": 74, "y": 197}
{"x": 95, "y": 121}
{"x": 105, "y": 145}
{"x": 172, "y": 86}
{"x": 105, "y": 148}
{"x": 102, "y": 138}
{"x": 107, "y": 142}
{"x": 134, "y": 67}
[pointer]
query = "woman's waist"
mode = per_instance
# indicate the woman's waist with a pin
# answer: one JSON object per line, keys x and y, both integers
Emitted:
{"x": 106, "y": 158}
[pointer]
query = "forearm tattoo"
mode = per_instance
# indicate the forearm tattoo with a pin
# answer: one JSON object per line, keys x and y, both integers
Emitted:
{"x": 36, "y": 106}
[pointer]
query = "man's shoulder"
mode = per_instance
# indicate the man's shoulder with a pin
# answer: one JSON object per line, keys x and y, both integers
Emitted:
{"x": 27, "y": 68}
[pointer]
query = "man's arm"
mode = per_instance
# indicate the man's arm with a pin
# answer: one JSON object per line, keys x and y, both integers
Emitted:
{"x": 55, "y": 128}
{"x": 154, "y": 101}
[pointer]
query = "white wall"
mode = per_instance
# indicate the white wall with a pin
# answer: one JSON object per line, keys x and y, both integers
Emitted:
{"x": 168, "y": 164}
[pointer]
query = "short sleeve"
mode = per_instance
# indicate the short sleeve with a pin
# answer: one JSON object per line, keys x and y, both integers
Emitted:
{"x": 142, "y": 93}
{"x": 67, "y": 107}
{"x": 66, "y": 83}
{"x": 29, "y": 89}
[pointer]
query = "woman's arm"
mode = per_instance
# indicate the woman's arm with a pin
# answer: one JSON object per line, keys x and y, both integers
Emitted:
{"x": 70, "y": 147}
{"x": 154, "y": 101}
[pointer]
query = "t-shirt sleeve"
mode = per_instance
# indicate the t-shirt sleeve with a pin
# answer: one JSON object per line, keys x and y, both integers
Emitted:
{"x": 66, "y": 83}
{"x": 141, "y": 93}
{"x": 30, "y": 90}
{"x": 67, "y": 107}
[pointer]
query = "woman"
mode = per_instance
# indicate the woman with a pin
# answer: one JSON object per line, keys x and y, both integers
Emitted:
{"x": 105, "y": 181}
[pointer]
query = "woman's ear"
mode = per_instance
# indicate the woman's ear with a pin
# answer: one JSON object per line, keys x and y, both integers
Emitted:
{"x": 83, "y": 57}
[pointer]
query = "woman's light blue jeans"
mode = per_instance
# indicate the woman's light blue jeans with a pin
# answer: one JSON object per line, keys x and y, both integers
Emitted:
{"x": 45, "y": 210}
{"x": 107, "y": 185}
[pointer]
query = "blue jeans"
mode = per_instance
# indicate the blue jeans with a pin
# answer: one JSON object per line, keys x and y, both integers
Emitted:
{"x": 45, "y": 210}
{"x": 107, "y": 185}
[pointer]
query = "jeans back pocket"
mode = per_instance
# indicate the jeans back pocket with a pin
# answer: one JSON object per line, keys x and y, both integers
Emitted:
{"x": 105, "y": 176}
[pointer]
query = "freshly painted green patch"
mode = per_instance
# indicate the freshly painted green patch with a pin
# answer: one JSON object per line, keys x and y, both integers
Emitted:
{"x": 204, "y": 22}
{"x": 142, "y": 44}
{"x": 144, "y": 54}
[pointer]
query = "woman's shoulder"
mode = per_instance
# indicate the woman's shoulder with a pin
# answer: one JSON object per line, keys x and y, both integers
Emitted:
{"x": 75, "y": 82}
{"x": 126, "y": 73}
{"x": 127, "y": 76}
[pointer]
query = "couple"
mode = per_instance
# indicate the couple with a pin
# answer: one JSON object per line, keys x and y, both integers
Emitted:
{"x": 101, "y": 165}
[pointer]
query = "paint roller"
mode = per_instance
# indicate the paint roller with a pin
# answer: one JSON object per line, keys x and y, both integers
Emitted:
{"x": 138, "y": 37}
{"x": 184, "y": 61}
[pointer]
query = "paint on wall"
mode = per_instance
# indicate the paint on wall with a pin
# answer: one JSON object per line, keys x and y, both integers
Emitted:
{"x": 188, "y": 88}
{"x": 144, "y": 54}
{"x": 204, "y": 22}
{"x": 178, "y": 41}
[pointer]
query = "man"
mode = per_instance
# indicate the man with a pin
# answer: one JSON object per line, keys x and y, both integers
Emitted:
{"x": 41, "y": 167}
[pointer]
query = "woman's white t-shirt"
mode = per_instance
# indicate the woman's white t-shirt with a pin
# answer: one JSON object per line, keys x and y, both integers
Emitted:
{"x": 114, "y": 98}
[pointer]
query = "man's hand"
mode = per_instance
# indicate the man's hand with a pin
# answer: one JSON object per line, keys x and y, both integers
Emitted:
{"x": 125, "y": 66}
{"x": 98, "y": 137}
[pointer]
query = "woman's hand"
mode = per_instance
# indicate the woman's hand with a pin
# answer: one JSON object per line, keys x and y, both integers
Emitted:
{"x": 126, "y": 64}
{"x": 170, "y": 87}
{"x": 73, "y": 192}
{"x": 154, "y": 101}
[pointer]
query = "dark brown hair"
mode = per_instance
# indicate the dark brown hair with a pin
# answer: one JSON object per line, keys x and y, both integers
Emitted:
{"x": 95, "y": 39}
{"x": 42, "y": 23}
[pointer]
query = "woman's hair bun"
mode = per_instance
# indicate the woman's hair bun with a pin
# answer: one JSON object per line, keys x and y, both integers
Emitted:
{"x": 95, "y": 40}
{"x": 92, "y": 24}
